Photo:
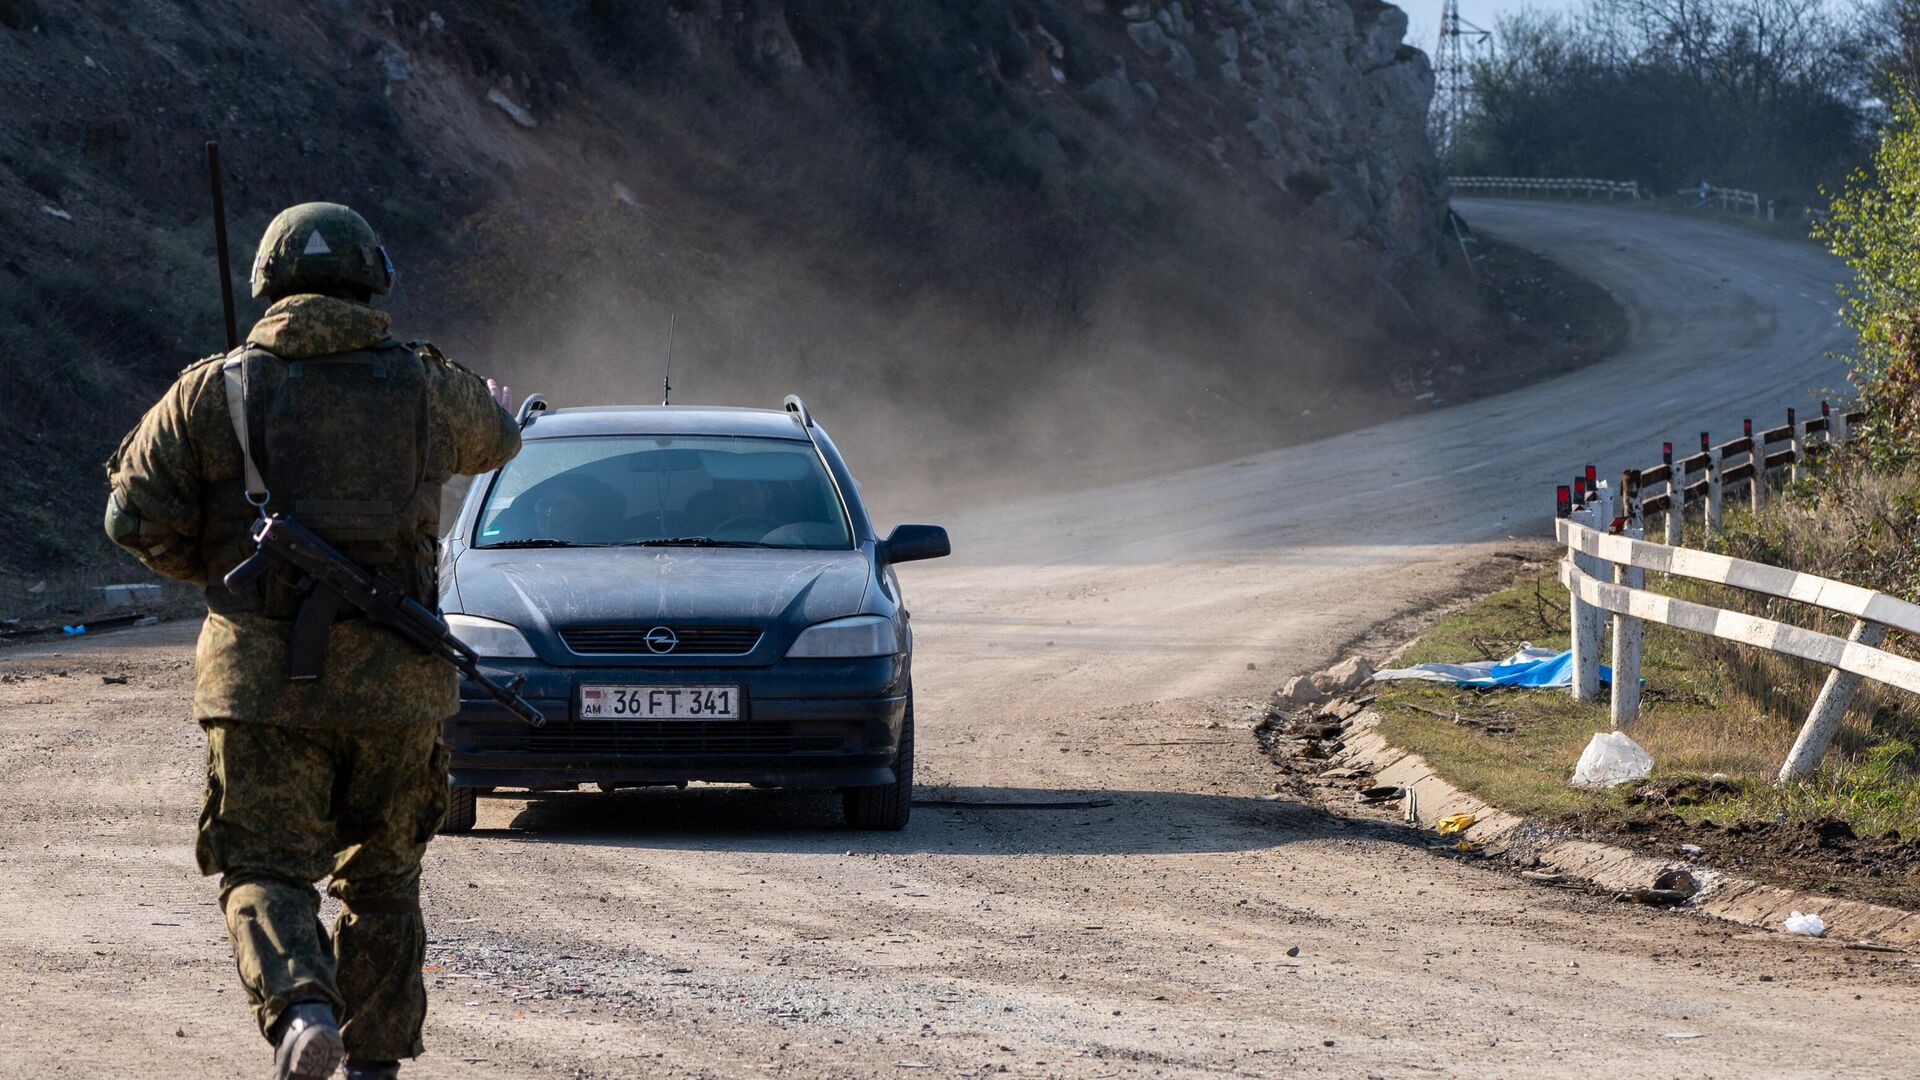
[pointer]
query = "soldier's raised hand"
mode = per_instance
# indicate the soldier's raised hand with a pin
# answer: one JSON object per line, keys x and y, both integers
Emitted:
{"x": 501, "y": 393}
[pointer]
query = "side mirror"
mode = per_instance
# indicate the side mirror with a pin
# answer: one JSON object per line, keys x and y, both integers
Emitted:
{"x": 912, "y": 542}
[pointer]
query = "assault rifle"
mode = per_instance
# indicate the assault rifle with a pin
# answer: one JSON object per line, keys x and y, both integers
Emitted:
{"x": 337, "y": 583}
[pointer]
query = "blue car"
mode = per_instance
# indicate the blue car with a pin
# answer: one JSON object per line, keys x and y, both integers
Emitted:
{"x": 686, "y": 593}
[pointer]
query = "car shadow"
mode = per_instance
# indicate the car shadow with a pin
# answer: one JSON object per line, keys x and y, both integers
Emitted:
{"x": 946, "y": 820}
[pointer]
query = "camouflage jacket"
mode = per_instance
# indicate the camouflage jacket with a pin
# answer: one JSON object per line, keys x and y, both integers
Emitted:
{"x": 177, "y": 502}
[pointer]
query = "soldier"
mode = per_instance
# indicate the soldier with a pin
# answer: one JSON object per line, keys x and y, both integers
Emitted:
{"x": 353, "y": 434}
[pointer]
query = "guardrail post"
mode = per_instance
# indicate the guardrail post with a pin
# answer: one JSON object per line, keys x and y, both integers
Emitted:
{"x": 1627, "y": 630}
{"x": 1757, "y": 457}
{"x": 1588, "y": 622}
{"x": 1837, "y": 429}
{"x": 1715, "y": 496}
{"x": 1797, "y": 443}
{"x": 1607, "y": 506}
{"x": 1594, "y": 631}
{"x": 1823, "y": 720}
{"x": 1676, "y": 497}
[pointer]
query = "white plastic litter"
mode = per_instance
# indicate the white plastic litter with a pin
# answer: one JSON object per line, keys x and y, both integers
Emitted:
{"x": 1612, "y": 758}
{"x": 1810, "y": 925}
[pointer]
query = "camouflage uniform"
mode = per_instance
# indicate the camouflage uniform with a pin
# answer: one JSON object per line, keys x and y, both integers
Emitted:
{"x": 344, "y": 775}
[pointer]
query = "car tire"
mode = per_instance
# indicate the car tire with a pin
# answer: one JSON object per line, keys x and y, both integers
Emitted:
{"x": 463, "y": 810}
{"x": 887, "y": 806}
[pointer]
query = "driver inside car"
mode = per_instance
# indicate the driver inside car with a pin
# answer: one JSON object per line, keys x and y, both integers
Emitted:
{"x": 560, "y": 513}
{"x": 571, "y": 507}
{"x": 732, "y": 510}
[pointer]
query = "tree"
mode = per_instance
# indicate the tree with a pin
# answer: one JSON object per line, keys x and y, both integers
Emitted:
{"x": 1872, "y": 226}
{"x": 1891, "y": 33}
{"x": 1763, "y": 94}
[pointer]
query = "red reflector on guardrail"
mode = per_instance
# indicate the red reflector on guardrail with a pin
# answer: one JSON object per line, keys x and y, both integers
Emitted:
{"x": 1563, "y": 501}
{"x": 1666, "y": 453}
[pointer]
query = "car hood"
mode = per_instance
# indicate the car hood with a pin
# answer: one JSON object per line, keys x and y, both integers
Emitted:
{"x": 542, "y": 590}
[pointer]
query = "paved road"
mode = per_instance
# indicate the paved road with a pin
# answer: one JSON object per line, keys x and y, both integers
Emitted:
{"x": 1278, "y": 557}
{"x": 1095, "y": 649}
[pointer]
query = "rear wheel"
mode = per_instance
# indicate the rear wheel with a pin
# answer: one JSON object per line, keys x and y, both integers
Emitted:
{"x": 887, "y": 806}
{"x": 463, "y": 810}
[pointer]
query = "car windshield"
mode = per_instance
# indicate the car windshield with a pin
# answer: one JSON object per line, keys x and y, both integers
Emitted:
{"x": 646, "y": 490}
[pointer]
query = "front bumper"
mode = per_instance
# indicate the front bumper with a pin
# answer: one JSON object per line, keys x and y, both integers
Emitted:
{"x": 803, "y": 724}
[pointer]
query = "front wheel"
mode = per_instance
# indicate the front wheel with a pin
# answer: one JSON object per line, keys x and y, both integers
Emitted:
{"x": 887, "y": 806}
{"x": 463, "y": 810}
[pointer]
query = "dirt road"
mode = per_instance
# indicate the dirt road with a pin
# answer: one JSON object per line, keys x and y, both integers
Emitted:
{"x": 1092, "y": 650}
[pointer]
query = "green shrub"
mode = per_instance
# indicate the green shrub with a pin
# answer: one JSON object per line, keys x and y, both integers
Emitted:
{"x": 1873, "y": 226}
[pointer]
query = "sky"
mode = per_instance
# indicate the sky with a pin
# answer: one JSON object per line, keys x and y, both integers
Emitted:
{"x": 1423, "y": 16}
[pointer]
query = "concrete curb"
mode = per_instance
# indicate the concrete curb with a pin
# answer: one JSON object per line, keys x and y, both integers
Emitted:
{"x": 1722, "y": 895}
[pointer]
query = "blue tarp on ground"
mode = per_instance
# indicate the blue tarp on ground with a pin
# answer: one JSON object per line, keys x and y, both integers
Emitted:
{"x": 1530, "y": 667}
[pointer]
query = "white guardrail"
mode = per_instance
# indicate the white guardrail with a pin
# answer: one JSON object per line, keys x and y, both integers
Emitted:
{"x": 1730, "y": 199}
{"x": 1725, "y": 198}
{"x": 1607, "y": 560}
{"x": 1532, "y": 185}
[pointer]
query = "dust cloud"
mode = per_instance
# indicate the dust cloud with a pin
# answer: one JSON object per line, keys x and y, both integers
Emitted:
{"x": 939, "y": 399}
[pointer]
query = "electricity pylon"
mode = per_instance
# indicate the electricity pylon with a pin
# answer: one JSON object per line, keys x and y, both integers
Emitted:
{"x": 1452, "y": 82}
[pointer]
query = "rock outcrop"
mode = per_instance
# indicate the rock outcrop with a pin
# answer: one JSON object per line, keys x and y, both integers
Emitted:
{"x": 1201, "y": 213}
{"x": 1337, "y": 104}
{"x": 1320, "y": 100}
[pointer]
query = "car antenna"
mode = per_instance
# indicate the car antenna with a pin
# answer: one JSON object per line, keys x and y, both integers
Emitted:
{"x": 666, "y": 381}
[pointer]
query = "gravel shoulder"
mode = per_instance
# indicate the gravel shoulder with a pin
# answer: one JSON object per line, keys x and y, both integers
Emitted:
{"x": 1092, "y": 647}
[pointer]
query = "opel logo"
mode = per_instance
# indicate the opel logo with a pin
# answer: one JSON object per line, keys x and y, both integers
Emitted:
{"x": 662, "y": 639}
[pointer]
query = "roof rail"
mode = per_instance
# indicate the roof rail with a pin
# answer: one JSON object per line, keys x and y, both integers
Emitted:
{"x": 530, "y": 408}
{"x": 799, "y": 409}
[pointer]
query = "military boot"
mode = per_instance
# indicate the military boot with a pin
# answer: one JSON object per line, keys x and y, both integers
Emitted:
{"x": 310, "y": 1047}
{"x": 373, "y": 1070}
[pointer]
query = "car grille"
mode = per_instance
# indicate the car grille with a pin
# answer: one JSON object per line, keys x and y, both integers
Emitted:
{"x": 667, "y": 737}
{"x": 692, "y": 640}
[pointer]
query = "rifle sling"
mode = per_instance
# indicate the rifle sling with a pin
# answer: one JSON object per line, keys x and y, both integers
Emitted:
{"x": 307, "y": 642}
{"x": 233, "y": 372}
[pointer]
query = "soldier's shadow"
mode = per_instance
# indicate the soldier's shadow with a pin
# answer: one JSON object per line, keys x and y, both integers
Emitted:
{"x": 954, "y": 820}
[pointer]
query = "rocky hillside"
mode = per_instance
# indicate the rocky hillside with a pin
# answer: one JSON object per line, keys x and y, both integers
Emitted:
{"x": 972, "y": 232}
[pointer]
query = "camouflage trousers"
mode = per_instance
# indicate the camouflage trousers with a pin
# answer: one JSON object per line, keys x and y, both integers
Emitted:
{"x": 288, "y": 806}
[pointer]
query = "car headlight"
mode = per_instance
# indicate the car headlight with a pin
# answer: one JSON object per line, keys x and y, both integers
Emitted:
{"x": 861, "y": 635}
{"x": 489, "y": 638}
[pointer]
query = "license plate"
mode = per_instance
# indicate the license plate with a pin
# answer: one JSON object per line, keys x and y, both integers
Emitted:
{"x": 613, "y": 702}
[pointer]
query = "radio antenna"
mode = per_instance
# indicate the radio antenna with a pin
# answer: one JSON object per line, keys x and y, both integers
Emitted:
{"x": 220, "y": 244}
{"x": 666, "y": 381}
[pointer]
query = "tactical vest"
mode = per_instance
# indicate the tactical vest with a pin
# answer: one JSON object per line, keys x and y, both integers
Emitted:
{"x": 341, "y": 443}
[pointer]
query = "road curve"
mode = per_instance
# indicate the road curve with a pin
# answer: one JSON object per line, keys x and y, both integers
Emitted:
{"x": 1099, "y": 652}
{"x": 1276, "y": 558}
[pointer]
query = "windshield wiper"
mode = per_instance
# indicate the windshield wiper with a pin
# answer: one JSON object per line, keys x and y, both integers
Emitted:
{"x": 537, "y": 542}
{"x": 692, "y": 541}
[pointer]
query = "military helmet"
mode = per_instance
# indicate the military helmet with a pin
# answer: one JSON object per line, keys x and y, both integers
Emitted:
{"x": 319, "y": 247}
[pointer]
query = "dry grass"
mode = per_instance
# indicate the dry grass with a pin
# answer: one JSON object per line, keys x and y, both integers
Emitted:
{"x": 1710, "y": 706}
